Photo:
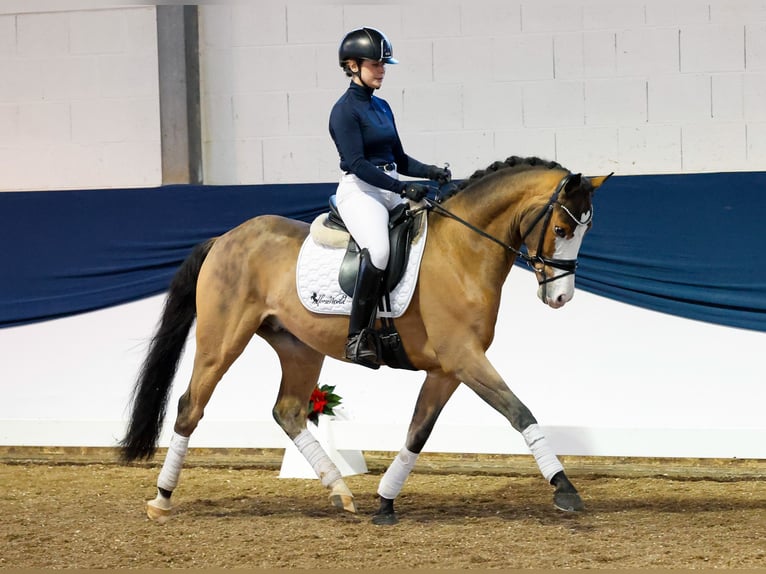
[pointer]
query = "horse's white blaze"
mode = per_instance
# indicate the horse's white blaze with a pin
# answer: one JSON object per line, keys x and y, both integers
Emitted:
{"x": 557, "y": 292}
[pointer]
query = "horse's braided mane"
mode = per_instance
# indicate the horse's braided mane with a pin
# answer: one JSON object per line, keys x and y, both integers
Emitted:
{"x": 514, "y": 162}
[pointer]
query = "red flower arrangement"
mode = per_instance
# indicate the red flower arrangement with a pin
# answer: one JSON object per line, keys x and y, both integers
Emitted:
{"x": 322, "y": 402}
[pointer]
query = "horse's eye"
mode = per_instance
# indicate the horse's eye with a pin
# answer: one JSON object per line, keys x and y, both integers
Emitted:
{"x": 560, "y": 231}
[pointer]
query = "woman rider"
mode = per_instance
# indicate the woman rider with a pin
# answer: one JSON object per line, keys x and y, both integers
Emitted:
{"x": 371, "y": 158}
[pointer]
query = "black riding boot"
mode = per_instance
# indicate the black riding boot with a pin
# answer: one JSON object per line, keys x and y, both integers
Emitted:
{"x": 362, "y": 344}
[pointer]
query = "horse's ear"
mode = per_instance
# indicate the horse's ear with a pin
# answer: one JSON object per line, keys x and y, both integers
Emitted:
{"x": 598, "y": 181}
{"x": 573, "y": 182}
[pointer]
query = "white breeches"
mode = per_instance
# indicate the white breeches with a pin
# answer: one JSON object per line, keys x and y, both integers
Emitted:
{"x": 364, "y": 210}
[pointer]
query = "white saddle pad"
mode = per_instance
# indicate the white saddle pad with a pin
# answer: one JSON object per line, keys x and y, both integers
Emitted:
{"x": 317, "y": 278}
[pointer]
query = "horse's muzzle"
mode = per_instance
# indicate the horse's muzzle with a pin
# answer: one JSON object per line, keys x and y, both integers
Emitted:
{"x": 556, "y": 294}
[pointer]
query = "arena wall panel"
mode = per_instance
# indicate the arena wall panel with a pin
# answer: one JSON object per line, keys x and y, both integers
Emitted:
{"x": 636, "y": 87}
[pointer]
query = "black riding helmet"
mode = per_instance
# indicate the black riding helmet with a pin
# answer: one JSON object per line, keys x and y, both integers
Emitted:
{"x": 366, "y": 44}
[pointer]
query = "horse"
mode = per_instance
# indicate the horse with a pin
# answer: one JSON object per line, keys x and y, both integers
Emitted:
{"x": 242, "y": 283}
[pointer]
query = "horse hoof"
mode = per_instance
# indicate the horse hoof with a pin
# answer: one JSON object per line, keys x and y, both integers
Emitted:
{"x": 344, "y": 502}
{"x": 568, "y": 501}
{"x": 384, "y": 519}
{"x": 157, "y": 514}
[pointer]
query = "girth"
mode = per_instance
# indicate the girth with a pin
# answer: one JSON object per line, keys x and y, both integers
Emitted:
{"x": 402, "y": 228}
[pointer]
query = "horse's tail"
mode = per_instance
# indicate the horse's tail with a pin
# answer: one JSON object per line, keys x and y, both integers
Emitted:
{"x": 152, "y": 390}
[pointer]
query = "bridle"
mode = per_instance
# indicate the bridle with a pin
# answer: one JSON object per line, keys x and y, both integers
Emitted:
{"x": 566, "y": 265}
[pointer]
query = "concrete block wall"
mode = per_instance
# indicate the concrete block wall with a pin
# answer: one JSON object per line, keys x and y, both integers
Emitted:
{"x": 636, "y": 86}
{"x": 79, "y": 101}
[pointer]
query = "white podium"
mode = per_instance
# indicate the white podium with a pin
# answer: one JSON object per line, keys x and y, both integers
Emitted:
{"x": 349, "y": 462}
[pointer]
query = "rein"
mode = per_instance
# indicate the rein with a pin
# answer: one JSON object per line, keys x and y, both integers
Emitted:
{"x": 567, "y": 265}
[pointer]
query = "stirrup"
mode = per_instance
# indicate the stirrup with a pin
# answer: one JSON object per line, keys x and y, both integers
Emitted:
{"x": 362, "y": 349}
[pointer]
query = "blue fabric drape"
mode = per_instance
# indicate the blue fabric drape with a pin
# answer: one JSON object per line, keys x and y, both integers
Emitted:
{"x": 66, "y": 252}
{"x": 689, "y": 245}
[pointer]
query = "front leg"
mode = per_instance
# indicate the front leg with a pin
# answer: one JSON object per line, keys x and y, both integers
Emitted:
{"x": 482, "y": 378}
{"x": 565, "y": 497}
{"x": 434, "y": 394}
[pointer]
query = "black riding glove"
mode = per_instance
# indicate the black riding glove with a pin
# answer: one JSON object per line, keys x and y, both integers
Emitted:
{"x": 415, "y": 191}
{"x": 440, "y": 174}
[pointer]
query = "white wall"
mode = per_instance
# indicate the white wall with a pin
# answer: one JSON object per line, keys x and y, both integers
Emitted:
{"x": 636, "y": 86}
{"x": 79, "y": 96}
{"x": 624, "y": 382}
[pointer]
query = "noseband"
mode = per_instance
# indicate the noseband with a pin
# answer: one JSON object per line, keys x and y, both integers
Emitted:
{"x": 566, "y": 265}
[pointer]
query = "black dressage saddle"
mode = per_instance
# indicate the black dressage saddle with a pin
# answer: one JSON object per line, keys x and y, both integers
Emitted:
{"x": 403, "y": 226}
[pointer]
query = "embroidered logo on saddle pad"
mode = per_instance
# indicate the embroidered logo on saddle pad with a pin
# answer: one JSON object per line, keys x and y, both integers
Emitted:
{"x": 319, "y": 263}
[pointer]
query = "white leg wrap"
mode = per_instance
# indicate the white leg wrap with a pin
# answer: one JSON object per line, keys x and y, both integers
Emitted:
{"x": 546, "y": 459}
{"x": 310, "y": 448}
{"x": 174, "y": 461}
{"x": 393, "y": 480}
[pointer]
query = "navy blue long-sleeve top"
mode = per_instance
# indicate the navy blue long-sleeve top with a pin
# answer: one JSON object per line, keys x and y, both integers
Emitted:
{"x": 363, "y": 129}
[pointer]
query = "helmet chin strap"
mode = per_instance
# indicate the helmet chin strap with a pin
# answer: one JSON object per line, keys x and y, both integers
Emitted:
{"x": 358, "y": 74}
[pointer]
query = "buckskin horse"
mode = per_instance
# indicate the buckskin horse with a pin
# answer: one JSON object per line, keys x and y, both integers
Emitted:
{"x": 244, "y": 283}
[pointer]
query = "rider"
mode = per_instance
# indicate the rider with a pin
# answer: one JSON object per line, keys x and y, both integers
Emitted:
{"x": 371, "y": 158}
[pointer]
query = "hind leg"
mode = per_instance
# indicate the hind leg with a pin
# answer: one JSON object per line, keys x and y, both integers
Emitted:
{"x": 301, "y": 366}
{"x": 219, "y": 343}
{"x": 434, "y": 394}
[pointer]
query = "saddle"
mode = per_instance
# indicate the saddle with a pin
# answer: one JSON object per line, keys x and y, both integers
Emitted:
{"x": 403, "y": 227}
